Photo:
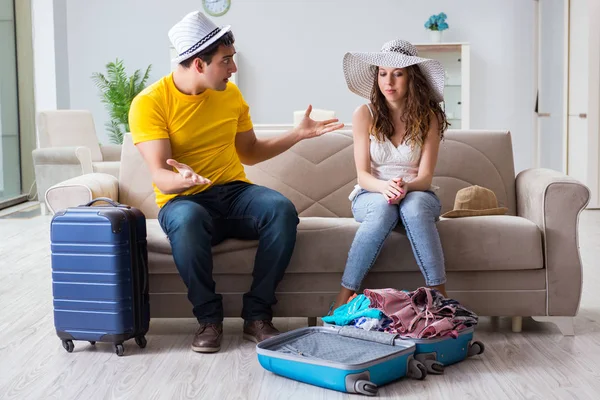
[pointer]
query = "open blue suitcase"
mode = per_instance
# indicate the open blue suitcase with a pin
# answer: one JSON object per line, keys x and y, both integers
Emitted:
{"x": 437, "y": 353}
{"x": 100, "y": 274}
{"x": 345, "y": 359}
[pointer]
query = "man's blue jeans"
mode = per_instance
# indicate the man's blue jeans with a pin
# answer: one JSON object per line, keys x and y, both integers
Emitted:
{"x": 234, "y": 210}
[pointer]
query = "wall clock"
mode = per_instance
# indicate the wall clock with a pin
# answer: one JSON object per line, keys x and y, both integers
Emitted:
{"x": 216, "y": 8}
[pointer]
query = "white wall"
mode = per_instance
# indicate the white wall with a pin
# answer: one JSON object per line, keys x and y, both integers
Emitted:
{"x": 42, "y": 20}
{"x": 291, "y": 52}
{"x": 62, "y": 54}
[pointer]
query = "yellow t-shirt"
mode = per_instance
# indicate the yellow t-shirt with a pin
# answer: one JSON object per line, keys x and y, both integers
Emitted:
{"x": 201, "y": 128}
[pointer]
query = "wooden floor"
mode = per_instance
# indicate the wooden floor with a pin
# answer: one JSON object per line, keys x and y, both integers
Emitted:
{"x": 537, "y": 364}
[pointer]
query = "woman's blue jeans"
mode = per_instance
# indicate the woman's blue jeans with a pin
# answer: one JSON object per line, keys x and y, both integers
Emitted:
{"x": 418, "y": 212}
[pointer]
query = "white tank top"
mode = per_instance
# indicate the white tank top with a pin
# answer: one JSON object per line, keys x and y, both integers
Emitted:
{"x": 389, "y": 161}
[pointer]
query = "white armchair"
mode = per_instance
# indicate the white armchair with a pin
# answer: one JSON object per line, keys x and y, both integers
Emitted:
{"x": 68, "y": 148}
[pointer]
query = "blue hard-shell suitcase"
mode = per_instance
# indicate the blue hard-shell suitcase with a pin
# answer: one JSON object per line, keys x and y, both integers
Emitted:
{"x": 100, "y": 274}
{"x": 345, "y": 359}
{"x": 436, "y": 353}
{"x": 439, "y": 352}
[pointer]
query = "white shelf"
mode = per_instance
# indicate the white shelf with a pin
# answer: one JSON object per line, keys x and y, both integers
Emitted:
{"x": 455, "y": 57}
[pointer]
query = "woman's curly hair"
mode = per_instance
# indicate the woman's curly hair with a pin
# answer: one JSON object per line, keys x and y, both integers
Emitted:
{"x": 420, "y": 107}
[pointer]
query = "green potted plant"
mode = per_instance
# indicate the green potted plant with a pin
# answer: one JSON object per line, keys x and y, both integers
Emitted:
{"x": 117, "y": 90}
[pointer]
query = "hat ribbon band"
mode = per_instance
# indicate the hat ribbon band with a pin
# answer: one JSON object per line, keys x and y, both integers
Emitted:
{"x": 201, "y": 41}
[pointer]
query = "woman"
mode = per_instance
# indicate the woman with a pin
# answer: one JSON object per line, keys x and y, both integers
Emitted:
{"x": 396, "y": 143}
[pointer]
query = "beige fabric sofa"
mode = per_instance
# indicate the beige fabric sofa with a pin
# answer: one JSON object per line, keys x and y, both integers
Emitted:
{"x": 69, "y": 147}
{"x": 525, "y": 263}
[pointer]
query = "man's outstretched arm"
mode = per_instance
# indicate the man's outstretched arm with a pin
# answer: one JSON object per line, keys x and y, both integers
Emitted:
{"x": 253, "y": 150}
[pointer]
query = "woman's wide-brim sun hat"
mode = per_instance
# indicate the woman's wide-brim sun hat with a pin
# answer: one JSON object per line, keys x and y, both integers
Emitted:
{"x": 358, "y": 67}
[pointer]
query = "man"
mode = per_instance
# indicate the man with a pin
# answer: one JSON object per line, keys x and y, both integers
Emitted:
{"x": 194, "y": 130}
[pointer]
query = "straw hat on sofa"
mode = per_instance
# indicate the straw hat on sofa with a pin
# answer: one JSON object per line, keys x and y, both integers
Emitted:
{"x": 473, "y": 201}
{"x": 394, "y": 54}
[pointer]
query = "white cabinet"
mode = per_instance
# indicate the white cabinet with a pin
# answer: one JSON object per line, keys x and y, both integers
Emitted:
{"x": 568, "y": 85}
{"x": 583, "y": 102}
{"x": 456, "y": 59}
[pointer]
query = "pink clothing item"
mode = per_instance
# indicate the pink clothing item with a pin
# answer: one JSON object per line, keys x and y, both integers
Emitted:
{"x": 438, "y": 328}
{"x": 416, "y": 314}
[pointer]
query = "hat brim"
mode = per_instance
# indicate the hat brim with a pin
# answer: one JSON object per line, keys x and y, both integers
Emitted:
{"x": 475, "y": 213}
{"x": 359, "y": 76}
{"x": 223, "y": 30}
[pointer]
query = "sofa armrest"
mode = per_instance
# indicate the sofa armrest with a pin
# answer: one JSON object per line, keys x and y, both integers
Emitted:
{"x": 111, "y": 152}
{"x": 553, "y": 201}
{"x": 81, "y": 190}
{"x": 64, "y": 156}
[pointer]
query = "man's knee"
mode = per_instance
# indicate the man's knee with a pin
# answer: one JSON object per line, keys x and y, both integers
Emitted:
{"x": 282, "y": 213}
{"x": 187, "y": 219}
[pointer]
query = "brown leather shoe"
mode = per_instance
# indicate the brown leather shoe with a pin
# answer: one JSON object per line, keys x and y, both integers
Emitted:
{"x": 208, "y": 338}
{"x": 257, "y": 331}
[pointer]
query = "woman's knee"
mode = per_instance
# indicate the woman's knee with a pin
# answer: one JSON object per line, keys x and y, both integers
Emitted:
{"x": 374, "y": 209}
{"x": 420, "y": 206}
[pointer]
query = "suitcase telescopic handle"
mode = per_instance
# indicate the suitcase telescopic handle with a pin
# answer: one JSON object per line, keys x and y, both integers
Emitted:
{"x": 107, "y": 200}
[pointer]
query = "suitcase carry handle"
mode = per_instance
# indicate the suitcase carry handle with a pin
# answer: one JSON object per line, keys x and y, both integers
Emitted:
{"x": 107, "y": 200}
{"x": 144, "y": 269}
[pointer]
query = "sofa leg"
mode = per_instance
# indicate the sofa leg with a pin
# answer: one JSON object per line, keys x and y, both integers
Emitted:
{"x": 517, "y": 324}
{"x": 312, "y": 321}
{"x": 565, "y": 324}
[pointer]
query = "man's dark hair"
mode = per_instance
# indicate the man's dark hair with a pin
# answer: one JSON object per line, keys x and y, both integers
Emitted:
{"x": 207, "y": 54}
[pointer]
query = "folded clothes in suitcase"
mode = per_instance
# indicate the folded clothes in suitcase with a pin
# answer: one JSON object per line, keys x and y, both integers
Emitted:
{"x": 100, "y": 274}
{"x": 345, "y": 359}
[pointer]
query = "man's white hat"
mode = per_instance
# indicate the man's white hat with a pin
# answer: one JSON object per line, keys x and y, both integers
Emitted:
{"x": 194, "y": 33}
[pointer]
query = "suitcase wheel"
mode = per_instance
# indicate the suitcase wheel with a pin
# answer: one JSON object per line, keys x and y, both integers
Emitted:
{"x": 434, "y": 367}
{"x": 416, "y": 370}
{"x": 476, "y": 348}
{"x": 365, "y": 387}
{"x": 119, "y": 349}
{"x": 430, "y": 362}
{"x": 141, "y": 341}
{"x": 68, "y": 345}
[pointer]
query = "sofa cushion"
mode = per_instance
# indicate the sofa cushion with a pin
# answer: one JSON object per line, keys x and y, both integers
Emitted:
{"x": 486, "y": 243}
{"x": 491, "y": 243}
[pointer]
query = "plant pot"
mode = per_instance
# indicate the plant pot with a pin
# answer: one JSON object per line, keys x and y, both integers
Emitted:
{"x": 435, "y": 36}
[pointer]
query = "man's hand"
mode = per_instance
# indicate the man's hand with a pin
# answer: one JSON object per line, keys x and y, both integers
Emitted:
{"x": 308, "y": 128}
{"x": 190, "y": 178}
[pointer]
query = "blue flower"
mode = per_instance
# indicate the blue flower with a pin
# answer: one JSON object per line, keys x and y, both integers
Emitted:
{"x": 437, "y": 22}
